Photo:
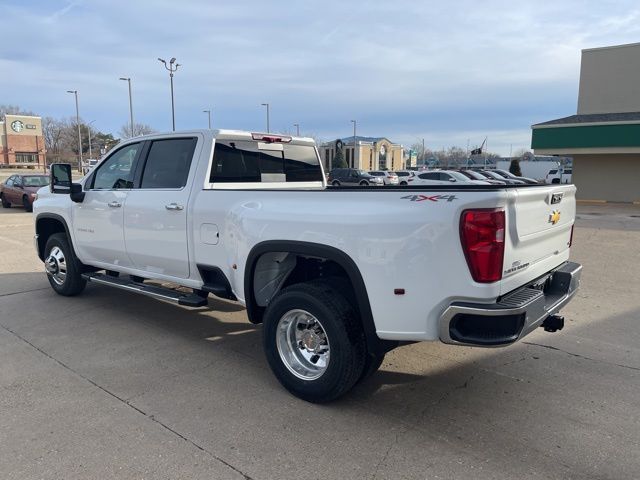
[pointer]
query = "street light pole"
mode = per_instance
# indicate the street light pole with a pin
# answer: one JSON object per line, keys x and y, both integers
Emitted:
{"x": 297, "y": 125}
{"x": 130, "y": 105}
{"x": 267, "y": 105}
{"x": 89, "y": 130}
{"x": 208, "y": 112}
{"x": 353, "y": 160}
{"x": 171, "y": 67}
{"x": 75, "y": 92}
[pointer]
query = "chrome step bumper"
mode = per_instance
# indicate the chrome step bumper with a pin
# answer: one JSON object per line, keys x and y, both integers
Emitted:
{"x": 514, "y": 315}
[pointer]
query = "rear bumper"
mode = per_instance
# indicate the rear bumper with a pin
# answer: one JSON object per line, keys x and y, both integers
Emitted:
{"x": 514, "y": 315}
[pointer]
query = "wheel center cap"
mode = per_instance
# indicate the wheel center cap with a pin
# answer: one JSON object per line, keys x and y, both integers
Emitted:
{"x": 310, "y": 341}
{"x": 51, "y": 265}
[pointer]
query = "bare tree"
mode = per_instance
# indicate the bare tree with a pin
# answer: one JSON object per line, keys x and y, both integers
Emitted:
{"x": 138, "y": 129}
{"x": 54, "y": 131}
{"x": 14, "y": 110}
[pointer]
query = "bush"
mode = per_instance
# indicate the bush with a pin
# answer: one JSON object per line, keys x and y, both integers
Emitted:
{"x": 515, "y": 167}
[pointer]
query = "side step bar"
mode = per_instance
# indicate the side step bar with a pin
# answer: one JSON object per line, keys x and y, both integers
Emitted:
{"x": 186, "y": 299}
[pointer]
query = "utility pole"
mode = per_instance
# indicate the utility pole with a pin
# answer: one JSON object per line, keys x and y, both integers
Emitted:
{"x": 171, "y": 67}
{"x": 89, "y": 130}
{"x": 353, "y": 160}
{"x": 267, "y": 105}
{"x": 297, "y": 125}
{"x": 75, "y": 92}
{"x": 130, "y": 105}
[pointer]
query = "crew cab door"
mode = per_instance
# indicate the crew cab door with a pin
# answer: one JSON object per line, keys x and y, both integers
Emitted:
{"x": 98, "y": 220}
{"x": 155, "y": 217}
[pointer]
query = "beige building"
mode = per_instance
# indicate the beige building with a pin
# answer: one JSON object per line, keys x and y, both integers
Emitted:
{"x": 370, "y": 153}
{"x": 21, "y": 141}
{"x": 604, "y": 136}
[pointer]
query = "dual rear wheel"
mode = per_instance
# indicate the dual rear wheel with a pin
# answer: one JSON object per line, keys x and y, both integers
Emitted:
{"x": 314, "y": 342}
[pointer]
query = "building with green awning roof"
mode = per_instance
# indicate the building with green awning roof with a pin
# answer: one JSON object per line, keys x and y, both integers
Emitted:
{"x": 604, "y": 136}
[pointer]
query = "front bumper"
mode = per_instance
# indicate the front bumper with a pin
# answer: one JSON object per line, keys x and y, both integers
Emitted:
{"x": 514, "y": 315}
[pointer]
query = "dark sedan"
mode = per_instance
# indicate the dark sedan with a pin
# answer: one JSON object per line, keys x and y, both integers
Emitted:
{"x": 21, "y": 190}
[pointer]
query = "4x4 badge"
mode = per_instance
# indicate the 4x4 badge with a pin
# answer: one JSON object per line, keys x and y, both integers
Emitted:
{"x": 431, "y": 198}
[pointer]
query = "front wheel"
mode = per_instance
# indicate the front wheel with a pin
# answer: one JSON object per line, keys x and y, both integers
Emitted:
{"x": 404, "y": 184}
{"x": 62, "y": 266}
{"x": 364, "y": 183}
{"x": 335, "y": 183}
{"x": 28, "y": 206}
{"x": 314, "y": 342}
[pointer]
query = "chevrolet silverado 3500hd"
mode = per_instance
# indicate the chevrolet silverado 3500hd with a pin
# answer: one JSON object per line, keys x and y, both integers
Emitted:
{"x": 338, "y": 276}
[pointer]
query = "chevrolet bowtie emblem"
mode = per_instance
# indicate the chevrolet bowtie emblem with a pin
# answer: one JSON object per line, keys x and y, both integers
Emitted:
{"x": 554, "y": 217}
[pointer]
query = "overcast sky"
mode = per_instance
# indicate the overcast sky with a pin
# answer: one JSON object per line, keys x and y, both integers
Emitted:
{"x": 443, "y": 71}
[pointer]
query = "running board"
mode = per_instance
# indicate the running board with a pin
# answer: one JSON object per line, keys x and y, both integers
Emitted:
{"x": 186, "y": 299}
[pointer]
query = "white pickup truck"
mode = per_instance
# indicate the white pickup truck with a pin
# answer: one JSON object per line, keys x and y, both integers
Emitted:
{"x": 338, "y": 276}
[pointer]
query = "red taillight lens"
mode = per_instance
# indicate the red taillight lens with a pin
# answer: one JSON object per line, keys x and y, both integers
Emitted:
{"x": 482, "y": 237}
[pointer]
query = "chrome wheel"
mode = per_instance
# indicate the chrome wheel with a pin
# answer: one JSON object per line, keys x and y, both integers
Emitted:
{"x": 302, "y": 344}
{"x": 56, "y": 266}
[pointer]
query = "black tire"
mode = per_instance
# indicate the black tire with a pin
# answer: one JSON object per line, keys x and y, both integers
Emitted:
{"x": 335, "y": 183}
{"x": 73, "y": 283}
{"x": 364, "y": 183}
{"x": 5, "y": 204}
{"x": 343, "y": 331}
{"x": 404, "y": 184}
{"x": 28, "y": 207}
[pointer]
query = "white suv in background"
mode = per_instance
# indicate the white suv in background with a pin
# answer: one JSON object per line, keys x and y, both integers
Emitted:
{"x": 405, "y": 177}
{"x": 389, "y": 178}
{"x": 559, "y": 176}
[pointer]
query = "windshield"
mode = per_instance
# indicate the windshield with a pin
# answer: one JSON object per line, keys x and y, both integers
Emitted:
{"x": 458, "y": 176}
{"x": 36, "y": 181}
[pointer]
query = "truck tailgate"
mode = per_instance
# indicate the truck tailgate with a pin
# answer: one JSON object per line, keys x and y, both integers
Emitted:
{"x": 539, "y": 225}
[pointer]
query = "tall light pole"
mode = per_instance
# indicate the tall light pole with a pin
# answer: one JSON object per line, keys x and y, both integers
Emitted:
{"x": 130, "y": 105}
{"x": 297, "y": 125}
{"x": 89, "y": 130}
{"x": 267, "y": 105}
{"x": 353, "y": 160}
{"x": 171, "y": 67}
{"x": 208, "y": 112}
{"x": 75, "y": 92}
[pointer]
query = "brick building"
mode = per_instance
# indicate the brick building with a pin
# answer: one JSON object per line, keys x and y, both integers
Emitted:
{"x": 21, "y": 141}
{"x": 371, "y": 153}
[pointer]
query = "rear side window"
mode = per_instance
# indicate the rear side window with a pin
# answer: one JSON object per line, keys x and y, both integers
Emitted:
{"x": 168, "y": 163}
{"x": 430, "y": 176}
{"x": 567, "y": 172}
{"x": 248, "y": 161}
{"x": 552, "y": 172}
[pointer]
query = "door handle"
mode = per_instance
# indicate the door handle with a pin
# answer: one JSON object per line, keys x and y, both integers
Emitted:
{"x": 174, "y": 206}
{"x": 114, "y": 204}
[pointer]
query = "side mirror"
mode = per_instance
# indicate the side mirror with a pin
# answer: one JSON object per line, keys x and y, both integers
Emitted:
{"x": 60, "y": 178}
{"x": 452, "y": 179}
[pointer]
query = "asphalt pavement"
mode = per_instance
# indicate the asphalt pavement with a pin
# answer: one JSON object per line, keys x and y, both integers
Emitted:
{"x": 114, "y": 385}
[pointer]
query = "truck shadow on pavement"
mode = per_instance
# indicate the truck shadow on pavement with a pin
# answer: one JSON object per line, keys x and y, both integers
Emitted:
{"x": 528, "y": 401}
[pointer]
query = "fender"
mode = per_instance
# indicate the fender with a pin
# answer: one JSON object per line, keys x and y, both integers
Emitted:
{"x": 53, "y": 216}
{"x": 254, "y": 312}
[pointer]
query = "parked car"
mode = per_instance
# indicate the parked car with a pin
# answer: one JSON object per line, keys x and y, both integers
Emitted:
{"x": 405, "y": 177}
{"x": 335, "y": 289}
{"x": 87, "y": 165}
{"x": 559, "y": 176}
{"x": 389, "y": 178}
{"x": 21, "y": 190}
{"x": 494, "y": 176}
{"x": 445, "y": 177}
{"x": 507, "y": 174}
{"x": 473, "y": 175}
{"x": 353, "y": 176}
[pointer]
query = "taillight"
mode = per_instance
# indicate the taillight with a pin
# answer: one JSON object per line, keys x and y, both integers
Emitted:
{"x": 571, "y": 237}
{"x": 482, "y": 236}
